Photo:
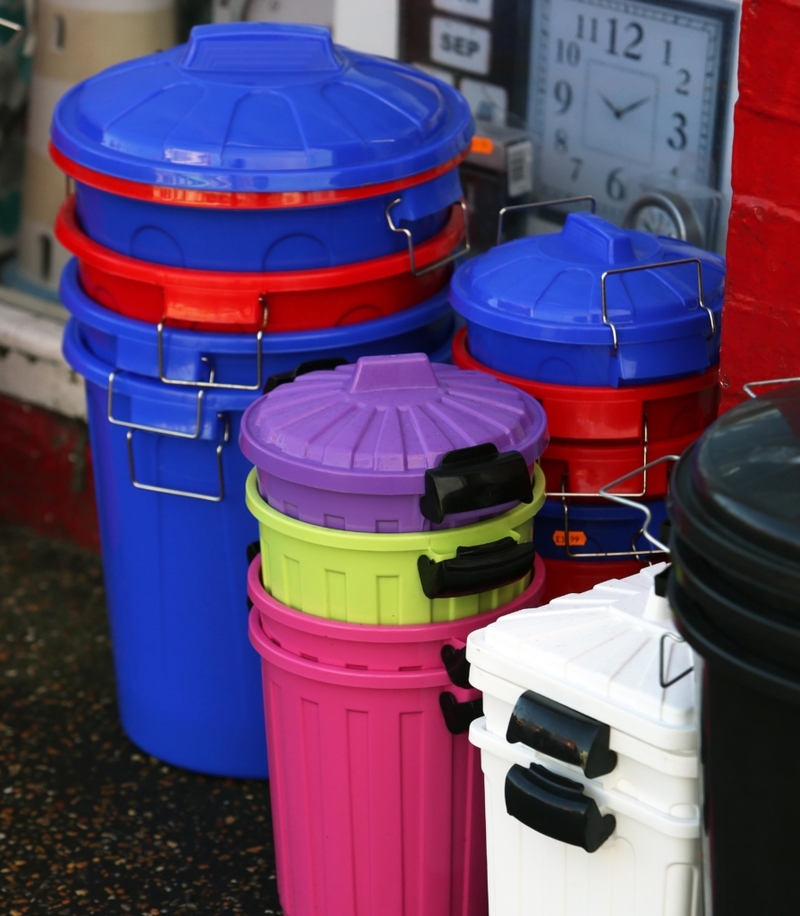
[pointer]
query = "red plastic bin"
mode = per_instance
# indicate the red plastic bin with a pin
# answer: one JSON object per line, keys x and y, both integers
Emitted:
{"x": 300, "y": 300}
{"x": 567, "y": 577}
{"x": 377, "y": 806}
{"x": 597, "y": 434}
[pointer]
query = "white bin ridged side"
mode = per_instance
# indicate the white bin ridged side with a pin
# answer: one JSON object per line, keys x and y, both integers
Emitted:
{"x": 639, "y": 871}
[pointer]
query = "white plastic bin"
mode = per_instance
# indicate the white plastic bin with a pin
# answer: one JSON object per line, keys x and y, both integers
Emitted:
{"x": 590, "y": 764}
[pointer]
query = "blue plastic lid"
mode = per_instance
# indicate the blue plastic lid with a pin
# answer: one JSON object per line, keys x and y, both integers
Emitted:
{"x": 261, "y": 107}
{"x": 548, "y": 287}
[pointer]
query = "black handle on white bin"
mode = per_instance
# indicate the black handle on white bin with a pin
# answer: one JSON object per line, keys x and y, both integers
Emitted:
{"x": 474, "y": 478}
{"x": 476, "y": 569}
{"x": 560, "y": 732}
{"x": 556, "y": 807}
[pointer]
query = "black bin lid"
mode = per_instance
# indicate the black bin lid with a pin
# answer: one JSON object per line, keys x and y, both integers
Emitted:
{"x": 735, "y": 498}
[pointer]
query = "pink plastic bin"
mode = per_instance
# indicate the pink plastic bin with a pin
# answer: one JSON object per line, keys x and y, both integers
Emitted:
{"x": 377, "y": 807}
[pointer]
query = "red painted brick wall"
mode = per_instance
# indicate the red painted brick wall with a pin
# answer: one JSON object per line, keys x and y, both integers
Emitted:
{"x": 760, "y": 329}
{"x": 46, "y": 474}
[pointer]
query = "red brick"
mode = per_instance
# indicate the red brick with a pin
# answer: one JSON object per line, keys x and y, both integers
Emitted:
{"x": 766, "y": 163}
{"x": 769, "y": 57}
{"x": 758, "y": 342}
{"x": 763, "y": 253}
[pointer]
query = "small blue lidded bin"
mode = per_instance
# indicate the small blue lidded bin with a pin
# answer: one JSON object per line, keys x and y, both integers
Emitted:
{"x": 593, "y": 305}
{"x": 261, "y": 147}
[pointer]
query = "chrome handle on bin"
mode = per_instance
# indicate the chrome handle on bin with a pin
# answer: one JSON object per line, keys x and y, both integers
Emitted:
{"x": 562, "y": 733}
{"x": 476, "y": 569}
{"x": 474, "y": 478}
{"x": 556, "y": 807}
{"x": 152, "y": 429}
{"x": 538, "y": 205}
{"x": 640, "y": 507}
{"x": 749, "y": 386}
{"x": 642, "y": 469}
{"x": 634, "y": 269}
{"x": 153, "y": 488}
{"x": 211, "y": 382}
{"x": 454, "y": 255}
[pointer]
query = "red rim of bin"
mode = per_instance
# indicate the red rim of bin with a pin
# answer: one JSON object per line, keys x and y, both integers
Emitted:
{"x": 580, "y": 413}
{"x": 296, "y": 300}
{"x": 241, "y": 200}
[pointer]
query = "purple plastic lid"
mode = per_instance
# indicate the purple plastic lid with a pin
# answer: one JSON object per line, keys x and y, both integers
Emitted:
{"x": 375, "y": 427}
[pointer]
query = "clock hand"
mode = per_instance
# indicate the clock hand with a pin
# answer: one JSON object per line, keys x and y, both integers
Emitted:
{"x": 624, "y": 111}
{"x": 614, "y": 110}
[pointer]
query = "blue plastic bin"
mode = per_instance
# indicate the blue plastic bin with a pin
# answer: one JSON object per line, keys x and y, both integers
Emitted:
{"x": 304, "y": 238}
{"x": 595, "y": 529}
{"x": 261, "y": 147}
{"x": 175, "y": 567}
{"x": 534, "y": 306}
{"x": 132, "y": 346}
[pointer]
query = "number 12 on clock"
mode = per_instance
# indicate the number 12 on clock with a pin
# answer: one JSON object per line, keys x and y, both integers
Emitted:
{"x": 621, "y": 89}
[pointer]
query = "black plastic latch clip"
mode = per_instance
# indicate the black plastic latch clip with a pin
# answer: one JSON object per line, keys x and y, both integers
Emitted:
{"x": 474, "y": 478}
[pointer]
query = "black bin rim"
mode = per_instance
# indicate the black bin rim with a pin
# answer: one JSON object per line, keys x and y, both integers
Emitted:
{"x": 719, "y": 651}
{"x": 774, "y": 638}
{"x": 765, "y": 577}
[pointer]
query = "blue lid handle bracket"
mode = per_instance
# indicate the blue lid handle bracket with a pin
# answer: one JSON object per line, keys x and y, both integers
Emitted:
{"x": 453, "y": 256}
{"x": 542, "y": 203}
{"x": 263, "y": 48}
{"x": 636, "y": 267}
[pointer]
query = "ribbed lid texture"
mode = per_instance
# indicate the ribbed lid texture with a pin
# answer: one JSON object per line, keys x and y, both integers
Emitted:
{"x": 261, "y": 107}
{"x": 548, "y": 287}
{"x": 378, "y": 425}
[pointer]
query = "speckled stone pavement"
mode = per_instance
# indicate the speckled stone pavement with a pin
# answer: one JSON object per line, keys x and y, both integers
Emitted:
{"x": 89, "y": 824}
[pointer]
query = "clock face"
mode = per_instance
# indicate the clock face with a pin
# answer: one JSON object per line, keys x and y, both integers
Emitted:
{"x": 624, "y": 88}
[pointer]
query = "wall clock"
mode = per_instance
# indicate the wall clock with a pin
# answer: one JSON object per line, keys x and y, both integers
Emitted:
{"x": 622, "y": 89}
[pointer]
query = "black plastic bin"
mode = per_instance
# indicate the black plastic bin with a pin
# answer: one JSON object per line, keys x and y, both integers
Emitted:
{"x": 735, "y": 591}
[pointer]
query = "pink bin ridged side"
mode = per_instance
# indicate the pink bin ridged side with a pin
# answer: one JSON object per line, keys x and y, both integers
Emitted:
{"x": 377, "y": 808}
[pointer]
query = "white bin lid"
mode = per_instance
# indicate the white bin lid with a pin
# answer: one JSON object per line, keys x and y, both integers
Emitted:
{"x": 599, "y": 653}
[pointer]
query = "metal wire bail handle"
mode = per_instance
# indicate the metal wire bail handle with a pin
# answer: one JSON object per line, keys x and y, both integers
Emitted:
{"x": 544, "y": 203}
{"x": 153, "y": 429}
{"x": 748, "y": 388}
{"x": 663, "y": 683}
{"x": 210, "y": 383}
{"x": 206, "y": 497}
{"x": 637, "y": 267}
{"x": 632, "y": 553}
{"x": 454, "y": 255}
{"x": 641, "y": 469}
{"x": 641, "y": 507}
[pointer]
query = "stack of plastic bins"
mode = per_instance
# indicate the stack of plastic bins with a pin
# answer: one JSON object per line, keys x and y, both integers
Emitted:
{"x": 230, "y": 226}
{"x": 616, "y": 333}
{"x": 396, "y": 507}
{"x": 589, "y": 749}
{"x": 735, "y": 591}
{"x": 262, "y": 179}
